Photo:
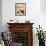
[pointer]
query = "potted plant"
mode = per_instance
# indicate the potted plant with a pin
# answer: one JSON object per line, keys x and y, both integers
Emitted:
{"x": 41, "y": 36}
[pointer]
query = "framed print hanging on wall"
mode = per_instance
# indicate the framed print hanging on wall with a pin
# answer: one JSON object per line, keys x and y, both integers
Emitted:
{"x": 20, "y": 9}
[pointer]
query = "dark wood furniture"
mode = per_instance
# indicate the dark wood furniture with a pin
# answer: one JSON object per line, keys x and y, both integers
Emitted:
{"x": 22, "y": 33}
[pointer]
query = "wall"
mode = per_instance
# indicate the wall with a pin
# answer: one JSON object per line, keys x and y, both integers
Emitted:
{"x": 0, "y": 15}
{"x": 43, "y": 6}
{"x": 43, "y": 14}
{"x": 33, "y": 13}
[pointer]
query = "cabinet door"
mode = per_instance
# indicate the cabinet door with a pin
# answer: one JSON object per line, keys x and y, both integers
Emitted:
{"x": 20, "y": 37}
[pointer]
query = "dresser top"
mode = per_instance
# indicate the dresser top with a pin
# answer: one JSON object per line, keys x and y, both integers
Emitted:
{"x": 19, "y": 23}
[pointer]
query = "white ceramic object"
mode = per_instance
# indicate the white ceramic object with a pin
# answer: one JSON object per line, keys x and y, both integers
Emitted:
{"x": 13, "y": 21}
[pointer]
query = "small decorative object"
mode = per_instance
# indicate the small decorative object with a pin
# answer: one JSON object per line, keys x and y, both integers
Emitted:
{"x": 14, "y": 21}
{"x": 20, "y": 9}
{"x": 27, "y": 21}
{"x": 41, "y": 36}
{"x": 11, "y": 20}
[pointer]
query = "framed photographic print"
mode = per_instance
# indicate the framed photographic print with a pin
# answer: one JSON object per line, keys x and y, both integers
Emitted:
{"x": 20, "y": 9}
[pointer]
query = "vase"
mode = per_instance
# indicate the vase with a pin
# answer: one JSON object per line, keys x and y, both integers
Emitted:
{"x": 41, "y": 43}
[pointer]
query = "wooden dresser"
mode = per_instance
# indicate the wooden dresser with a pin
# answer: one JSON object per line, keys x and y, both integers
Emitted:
{"x": 22, "y": 33}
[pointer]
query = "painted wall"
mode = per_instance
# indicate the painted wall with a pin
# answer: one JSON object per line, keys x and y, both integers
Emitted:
{"x": 0, "y": 15}
{"x": 33, "y": 13}
{"x": 43, "y": 6}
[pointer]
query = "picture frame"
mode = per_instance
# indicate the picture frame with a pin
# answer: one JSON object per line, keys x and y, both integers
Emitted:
{"x": 20, "y": 9}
